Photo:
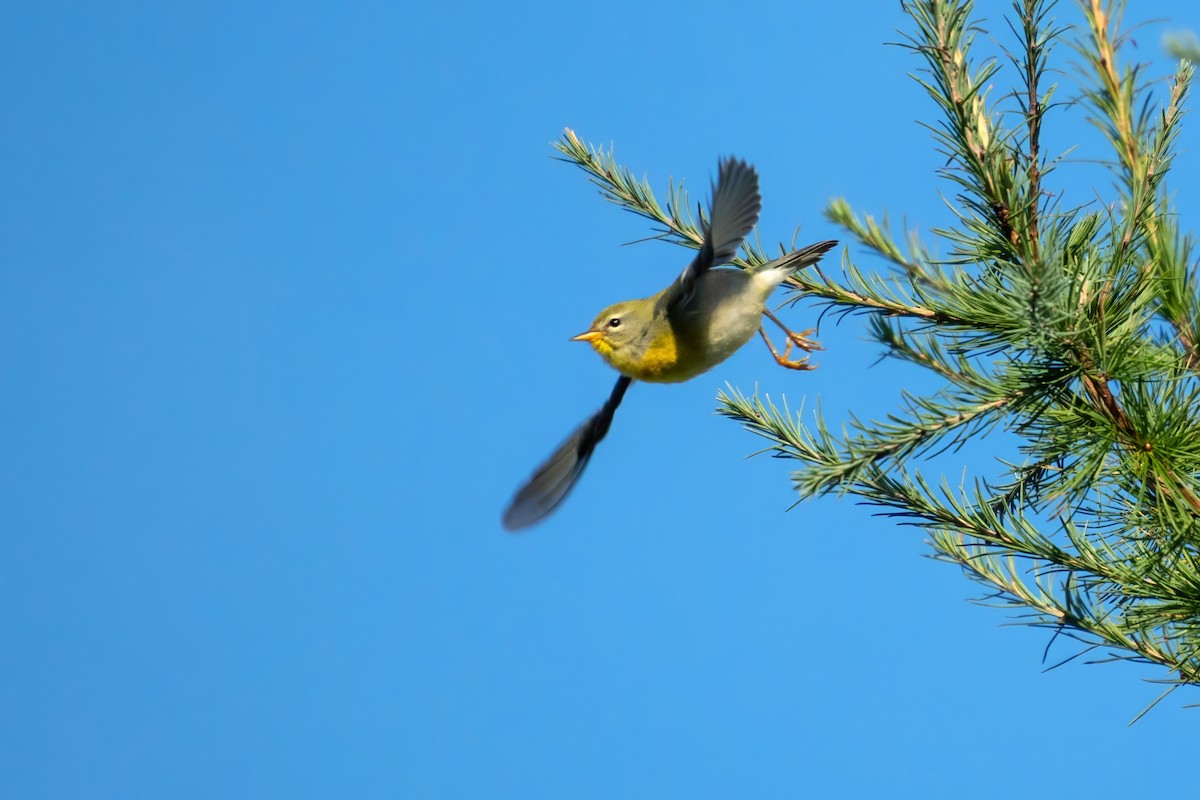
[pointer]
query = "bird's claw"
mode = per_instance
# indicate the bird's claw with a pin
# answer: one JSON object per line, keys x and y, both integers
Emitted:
{"x": 796, "y": 363}
{"x": 800, "y": 340}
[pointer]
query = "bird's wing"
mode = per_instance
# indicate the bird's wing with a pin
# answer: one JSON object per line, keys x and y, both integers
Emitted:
{"x": 553, "y": 480}
{"x": 735, "y": 207}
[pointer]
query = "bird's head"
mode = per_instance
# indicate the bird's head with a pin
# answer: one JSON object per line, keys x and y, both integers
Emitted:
{"x": 618, "y": 329}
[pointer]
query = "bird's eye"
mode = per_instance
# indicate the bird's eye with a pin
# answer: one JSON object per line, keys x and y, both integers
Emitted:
{"x": 615, "y": 322}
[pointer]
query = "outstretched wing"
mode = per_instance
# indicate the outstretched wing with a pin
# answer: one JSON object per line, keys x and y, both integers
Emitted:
{"x": 735, "y": 207}
{"x": 553, "y": 480}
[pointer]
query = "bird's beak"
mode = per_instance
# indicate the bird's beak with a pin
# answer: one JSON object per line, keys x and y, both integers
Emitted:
{"x": 587, "y": 336}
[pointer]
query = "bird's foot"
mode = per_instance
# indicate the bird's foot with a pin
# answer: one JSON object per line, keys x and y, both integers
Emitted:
{"x": 793, "y": 340}
{"x": 802, "y": 341}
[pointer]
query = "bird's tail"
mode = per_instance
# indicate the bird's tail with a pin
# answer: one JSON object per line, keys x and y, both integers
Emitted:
{"x": 799, "y": 259}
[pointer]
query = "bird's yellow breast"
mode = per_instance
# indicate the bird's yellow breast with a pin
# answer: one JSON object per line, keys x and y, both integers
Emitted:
{"x": 658, "y": 362}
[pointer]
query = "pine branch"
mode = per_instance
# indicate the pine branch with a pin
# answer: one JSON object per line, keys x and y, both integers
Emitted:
{"x": 619, "y": 186}
{"x": 926, "y": 426}
{"x": 1075, "y": 331}
{"x": 1041, "y": 321}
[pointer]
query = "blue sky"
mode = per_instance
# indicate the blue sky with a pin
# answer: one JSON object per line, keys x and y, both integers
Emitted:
{"x": 285, "y": 296}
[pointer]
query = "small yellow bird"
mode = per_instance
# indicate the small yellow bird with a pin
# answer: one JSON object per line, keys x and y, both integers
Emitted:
{"x": 688, "y": 328}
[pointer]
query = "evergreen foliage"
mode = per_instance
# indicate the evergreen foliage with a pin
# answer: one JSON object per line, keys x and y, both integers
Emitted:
{"x": 1066, "y": 323}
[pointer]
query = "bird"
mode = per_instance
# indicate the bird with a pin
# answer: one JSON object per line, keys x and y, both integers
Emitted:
{"x": 702, "y": 318}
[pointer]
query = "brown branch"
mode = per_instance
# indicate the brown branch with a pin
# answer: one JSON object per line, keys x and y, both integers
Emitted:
{"x": 1033, "y": 116}
{"x": 1191, "y": 347}
{"x": 973, "y": 121}
{"x": 849, "y": 297}
{"x": 1102, "y": 399}
{"x": 1100, "y": 394}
